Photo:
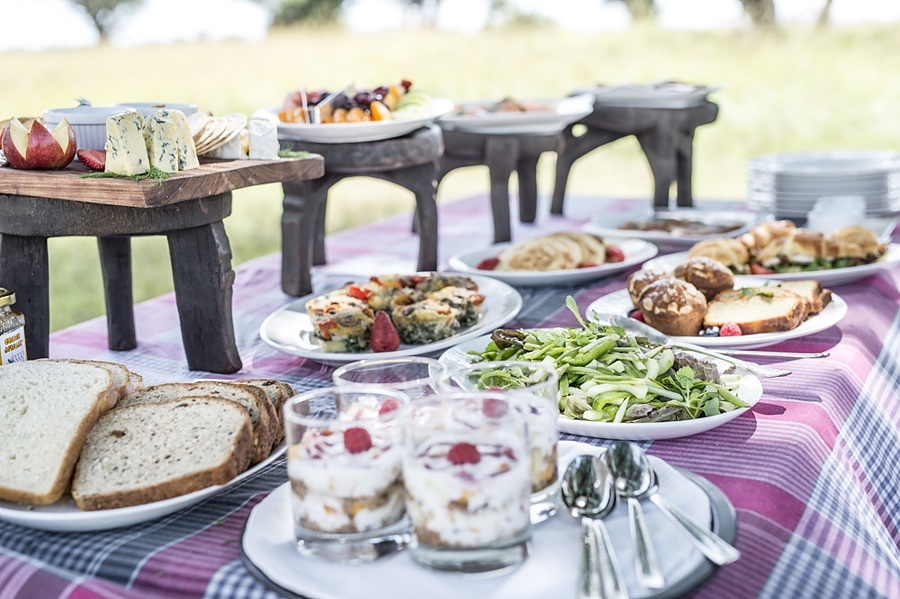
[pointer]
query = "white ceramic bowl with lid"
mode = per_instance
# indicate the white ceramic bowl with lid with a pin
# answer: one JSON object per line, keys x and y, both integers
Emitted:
{"x": 89, "y": 123}
{"x": 150, "y": 108}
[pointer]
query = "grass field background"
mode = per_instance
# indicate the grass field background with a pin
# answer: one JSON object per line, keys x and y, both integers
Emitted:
{"x": 785, "y": 90}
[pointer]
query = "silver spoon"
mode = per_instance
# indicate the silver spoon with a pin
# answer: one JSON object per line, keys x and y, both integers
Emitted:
{"x": 644, "y": 330}
{"x": 630, "y": 484}
{"x": 587, "y": 491}
{"x": 632, "y": 460}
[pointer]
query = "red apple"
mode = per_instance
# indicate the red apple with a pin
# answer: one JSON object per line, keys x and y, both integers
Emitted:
{"x": 32, "y": 146}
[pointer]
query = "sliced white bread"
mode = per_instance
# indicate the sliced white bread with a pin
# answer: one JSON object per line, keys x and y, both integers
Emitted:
{"x": 276, "y": 393}
{"x": 148, "y": 452}
{"x": 125, "y": 381}
{"x": 47, "y": 408}
{"x": 252, "y": 399}
{"x": 773, "y": 309}
{"x": 811, "y": 291}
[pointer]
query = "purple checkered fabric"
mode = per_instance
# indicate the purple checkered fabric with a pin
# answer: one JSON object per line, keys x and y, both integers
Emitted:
{"x": 812, "y": 469}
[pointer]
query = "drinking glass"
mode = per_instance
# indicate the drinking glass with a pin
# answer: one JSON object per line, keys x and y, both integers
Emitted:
{"x": 414, "y": 376}
{"x": 344, "y": 465}
{"x": 534, "y": 386}
{"x": 466, "y": 473}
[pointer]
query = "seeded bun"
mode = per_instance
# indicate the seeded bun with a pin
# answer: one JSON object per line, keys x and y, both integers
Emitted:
{"x": 639, "y": 280}
{"x": 674, "y": 307}
{"x": 707, "y": 275}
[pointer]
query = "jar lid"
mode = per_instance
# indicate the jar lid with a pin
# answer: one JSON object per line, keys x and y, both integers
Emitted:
{"x": 7, "y": 297}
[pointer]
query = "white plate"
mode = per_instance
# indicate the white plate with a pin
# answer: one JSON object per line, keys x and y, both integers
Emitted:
{"x": 749, "y": 391}
{"x": 837, "y": 164}
{"x": 651, "y": 96}
{"x": 606, "y": 225}
{"x": 836, "y": 276}
{"x": 619, "y": 302}
{"x": 289, "y": 329}
{"x": 551, "y": 570}
{"x": 635, "y": 250}
{"x": 338, "y": 133}
{"x": 563, "y": 113}
{"x": 64, "y": 516}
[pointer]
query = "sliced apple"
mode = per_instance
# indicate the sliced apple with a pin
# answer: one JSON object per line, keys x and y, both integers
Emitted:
{"x": 34, "y": 147}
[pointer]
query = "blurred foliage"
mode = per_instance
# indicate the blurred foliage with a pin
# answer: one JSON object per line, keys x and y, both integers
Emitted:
{"x": 314, "y": 12}
{"x": 102, "y": 12}
{"x": 640, "y": 10}
{"x": 761, "y": 12}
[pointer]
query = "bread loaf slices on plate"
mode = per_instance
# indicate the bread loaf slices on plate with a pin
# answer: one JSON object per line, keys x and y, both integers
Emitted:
{"x": 277, "y": 393}
{"x": 251, "y": 398}
{"x": 125, "y": 381}
{"x": 811, "y": 291}
{"x": 147, "y": 452}
{"x": 757, "y": 310}
{"x": 47, "y": 408}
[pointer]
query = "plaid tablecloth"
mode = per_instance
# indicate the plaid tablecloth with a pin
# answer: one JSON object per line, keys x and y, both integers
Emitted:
{"x": 813, "y": 469}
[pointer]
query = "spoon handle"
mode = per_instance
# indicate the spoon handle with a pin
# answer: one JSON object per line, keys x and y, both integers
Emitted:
{"x": 710, "y": 544}
{"x": 649, "y": 575}
{"x": 590, "y": 586}
{"x": 611, "y": 580}
{"x": 757, "y": 369}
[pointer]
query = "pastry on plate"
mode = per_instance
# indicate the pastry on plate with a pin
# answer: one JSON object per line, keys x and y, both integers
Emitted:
{"x": 757, "y": 310}
{"x": 730, "y": 252}
{"x": 709, "y": 276}
{"x": 673, "y": 306}
{"x": 639, "y": 280}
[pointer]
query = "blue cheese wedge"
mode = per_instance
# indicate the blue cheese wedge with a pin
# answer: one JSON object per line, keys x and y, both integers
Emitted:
{"x": 126, "y": 152}
{"x": 187, "y": 151}
{"x": 161, "y": 136}
{"x": 263, "y": 140}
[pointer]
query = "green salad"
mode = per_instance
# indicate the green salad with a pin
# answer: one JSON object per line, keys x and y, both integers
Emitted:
{"x": 606, "y": 375}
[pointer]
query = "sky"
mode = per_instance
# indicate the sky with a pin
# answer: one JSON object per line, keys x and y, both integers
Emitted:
{"x": 66, "y": 26}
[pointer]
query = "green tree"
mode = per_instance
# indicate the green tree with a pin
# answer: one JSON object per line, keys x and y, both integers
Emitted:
{"x": 761, "y": 12}
{"x": 310, "y": 11}
{"x": 102, "y": 12}
{"x": 640, "y": 10}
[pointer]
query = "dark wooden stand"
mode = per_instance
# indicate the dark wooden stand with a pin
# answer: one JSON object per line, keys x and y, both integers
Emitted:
{"x": 188, "y": 209}
{"x": 410, "y": 162}
{"x": 502, "y": 154}
{"x": 666, "y": 136}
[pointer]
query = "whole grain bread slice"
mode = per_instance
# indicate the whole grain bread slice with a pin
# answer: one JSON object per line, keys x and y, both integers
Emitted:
{"x": 774, "y": 310}
{"x": 277, "y": 393}
{"x": 125, "y": 381}
{"x": 149, "y": 452}
{"x": 47, "y": 408}
{"x": 252, "y": 399}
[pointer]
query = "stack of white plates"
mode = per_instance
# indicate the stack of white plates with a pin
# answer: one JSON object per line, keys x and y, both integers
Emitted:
{"x": 790, "y": 184}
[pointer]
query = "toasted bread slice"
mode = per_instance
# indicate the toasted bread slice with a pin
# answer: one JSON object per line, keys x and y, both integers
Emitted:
{"x": 769, "y": 310}
{"x": 148, "y": 452}
{"x": 47, "y": 408}
{"x": 811, "y": 291}
{"x": 252, "y": 399}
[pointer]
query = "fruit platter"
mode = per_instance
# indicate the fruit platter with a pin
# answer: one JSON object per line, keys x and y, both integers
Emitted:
{"x": 367, "y": 114}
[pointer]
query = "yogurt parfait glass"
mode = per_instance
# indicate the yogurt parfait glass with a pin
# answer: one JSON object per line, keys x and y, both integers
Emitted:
{"x": 414, "y": 376}
{"x": 533, "y": 387}
{"x": 466, "y": 473}
{"x": 344, "y": 464}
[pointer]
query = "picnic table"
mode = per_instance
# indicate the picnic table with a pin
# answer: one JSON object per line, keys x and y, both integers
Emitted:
{"x": 811, "y": 469}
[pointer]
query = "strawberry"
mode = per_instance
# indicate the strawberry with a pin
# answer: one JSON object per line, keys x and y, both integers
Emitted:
{"x": 614, "y": 254}
{"x": 758, "y": 269}
{"x": 730, "y": 329}
{"x": 488, "y": 264}
{"x": 357, "y": 439}
{"x": 93, "y": 159}
{"x": 389, "y": 405}
{"x": 384, "y": 336}
{"x": 494, "y": 408}
{"x": 463, "y": 453}
{"x": 638, "y": 315}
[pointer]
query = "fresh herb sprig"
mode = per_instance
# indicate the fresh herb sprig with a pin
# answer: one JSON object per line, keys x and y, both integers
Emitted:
{"x": 293, "y": 154}
{"x": 157, "y": 175}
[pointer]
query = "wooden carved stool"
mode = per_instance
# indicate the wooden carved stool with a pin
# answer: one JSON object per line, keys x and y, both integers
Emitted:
{"x": 502, "y": 154}
{"x": 410, "y": 162}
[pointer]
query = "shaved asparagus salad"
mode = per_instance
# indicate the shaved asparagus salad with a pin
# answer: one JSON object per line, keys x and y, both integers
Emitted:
{"x": 606, "y": 375}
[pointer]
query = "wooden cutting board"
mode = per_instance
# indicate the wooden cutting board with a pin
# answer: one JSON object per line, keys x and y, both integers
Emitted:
{"x": 211, "y": 178}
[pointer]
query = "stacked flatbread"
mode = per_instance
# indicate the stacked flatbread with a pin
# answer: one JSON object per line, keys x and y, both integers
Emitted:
{"x": 212, "y": 132}
{"x": 557, "y": 251}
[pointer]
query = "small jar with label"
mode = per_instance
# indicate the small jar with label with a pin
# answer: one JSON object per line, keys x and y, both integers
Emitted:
{"x": 12, "y": 330}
